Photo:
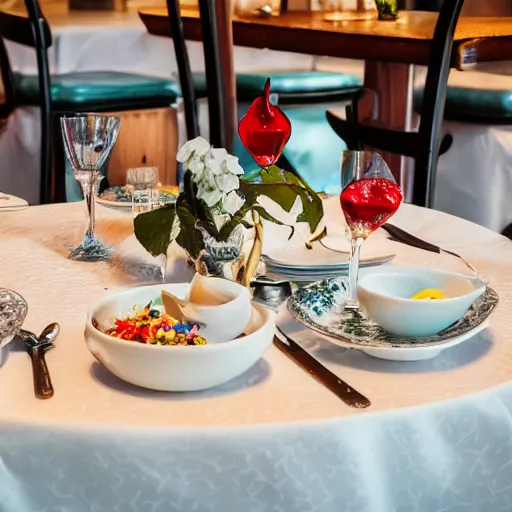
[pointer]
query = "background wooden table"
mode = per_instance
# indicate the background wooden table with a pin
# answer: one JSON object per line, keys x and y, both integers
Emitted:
{"x": 388, "y": 48}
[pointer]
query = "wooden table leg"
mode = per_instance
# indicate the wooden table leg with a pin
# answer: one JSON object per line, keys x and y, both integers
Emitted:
{"x": 390, "y": 81}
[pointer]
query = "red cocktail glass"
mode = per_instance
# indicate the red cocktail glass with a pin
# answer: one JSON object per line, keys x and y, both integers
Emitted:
{"x": 369, "y": 198}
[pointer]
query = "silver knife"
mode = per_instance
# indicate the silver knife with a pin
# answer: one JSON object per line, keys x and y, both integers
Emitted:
{"x": 319, "y": 372}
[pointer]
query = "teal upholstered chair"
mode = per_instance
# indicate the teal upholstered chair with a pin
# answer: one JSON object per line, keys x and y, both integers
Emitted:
{"x": 313, "y": 149}
{"x": 473, "y": 105}
{"x": 66, "y": 94}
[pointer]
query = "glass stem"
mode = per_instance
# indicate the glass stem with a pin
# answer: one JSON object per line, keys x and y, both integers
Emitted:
{"x": 353, "y": 272}
{"x": 89, "y": 182}
{"x": 162, "y": 260}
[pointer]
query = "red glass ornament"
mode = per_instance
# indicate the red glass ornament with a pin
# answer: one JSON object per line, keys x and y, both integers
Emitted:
{"x": 369, "y": 202}
{"x": 264, "y": 130}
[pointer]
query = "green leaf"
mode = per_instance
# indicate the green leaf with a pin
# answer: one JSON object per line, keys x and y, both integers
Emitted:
{"x": 272, "y": 175}
{"x": 190, "y": 237}
{"x": 265, "y": 215}
{"x": 189, "y": 191}
{"x": 312, "y": 210}
{"x": 283, "y": 194}
{"x": 226, "y": 230}
{"x": 291, "y": 178}
{"x": 249, "y": 192}
{"x": 209, "y": 227}
{"x": 283, "y": 188}
{"x": 153, "y": 229}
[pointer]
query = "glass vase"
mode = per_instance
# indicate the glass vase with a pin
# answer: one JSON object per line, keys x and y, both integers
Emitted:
{"x": 221, "y": 259}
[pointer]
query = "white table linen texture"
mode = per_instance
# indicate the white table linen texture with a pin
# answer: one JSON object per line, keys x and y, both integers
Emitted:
{"x": 436, "y": 438}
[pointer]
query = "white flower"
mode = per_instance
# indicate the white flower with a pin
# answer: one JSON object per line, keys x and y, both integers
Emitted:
{"x": 197, "y": 146}
{"x": 228, "y": 182}
{"x": 196, "y": 165}
{"x": 215, "y": 158}
{"x": 219, "y": 220}
{"x": 232, "y": 202}
{"x": 210, "y": 196}
{"x": 207, "y": 189}
{"x": 231, "y": 165}
{"x": 206, "y": 179}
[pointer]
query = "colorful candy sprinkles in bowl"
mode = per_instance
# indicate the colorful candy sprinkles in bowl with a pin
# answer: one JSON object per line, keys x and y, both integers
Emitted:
{"x": 152, "y": 326}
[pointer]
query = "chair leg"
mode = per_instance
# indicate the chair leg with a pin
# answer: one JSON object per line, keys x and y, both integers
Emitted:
{"x": 507, "y": 232}
{"x": 45, "y": 188}
{"x": 59, "y": 171}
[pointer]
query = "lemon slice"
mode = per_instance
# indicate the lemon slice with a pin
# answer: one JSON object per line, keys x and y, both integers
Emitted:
{"x": 429, "y": 293}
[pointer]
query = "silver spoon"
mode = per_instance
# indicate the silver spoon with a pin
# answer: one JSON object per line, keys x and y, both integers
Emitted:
{"x": 36, "y": 348}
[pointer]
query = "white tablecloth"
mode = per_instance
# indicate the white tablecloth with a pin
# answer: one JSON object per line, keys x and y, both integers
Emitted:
{"x": 437, "y": 437}
{"x": 474, "y": 178}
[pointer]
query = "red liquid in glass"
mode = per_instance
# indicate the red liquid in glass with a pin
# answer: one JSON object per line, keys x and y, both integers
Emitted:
{"x": 368, "y": 203}
{"x": 265, "y": 145}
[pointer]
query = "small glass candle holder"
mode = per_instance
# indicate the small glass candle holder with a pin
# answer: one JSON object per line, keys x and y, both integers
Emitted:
{"x": 142, "y": 177}
{"x": 143, "y": 183}
{"x": 387, "y": 9}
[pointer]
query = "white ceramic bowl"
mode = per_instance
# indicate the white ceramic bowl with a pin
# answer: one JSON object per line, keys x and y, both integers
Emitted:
{"x": 179, "y": 368}
{"x": 385, "y": 296}
{"x": 225, "y": 308}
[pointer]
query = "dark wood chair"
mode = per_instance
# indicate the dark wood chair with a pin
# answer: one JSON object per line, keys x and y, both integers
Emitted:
{"x": 213, "y": 65}
{"x": 66, "y": 94}
{"x": 423, "y": 146}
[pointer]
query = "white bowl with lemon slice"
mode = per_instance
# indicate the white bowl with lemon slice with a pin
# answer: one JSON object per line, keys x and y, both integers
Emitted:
{"x": 415, "y": 302}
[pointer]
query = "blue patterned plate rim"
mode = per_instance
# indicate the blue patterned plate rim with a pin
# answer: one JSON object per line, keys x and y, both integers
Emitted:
{"x": 317, "y": 306}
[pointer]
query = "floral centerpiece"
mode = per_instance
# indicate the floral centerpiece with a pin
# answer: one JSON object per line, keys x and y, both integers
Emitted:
{"x": 218, "y": 202}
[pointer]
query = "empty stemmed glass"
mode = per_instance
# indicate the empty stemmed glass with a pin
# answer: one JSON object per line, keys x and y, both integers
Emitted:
{"x": 88, "y": 141}
{"x": 147, "y": 197}
{"x": 369, "y": 197}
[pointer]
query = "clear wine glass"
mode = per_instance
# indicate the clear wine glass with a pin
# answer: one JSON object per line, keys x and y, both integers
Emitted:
{"x": 88, "y": 141}
{"x": 369, "y": 197}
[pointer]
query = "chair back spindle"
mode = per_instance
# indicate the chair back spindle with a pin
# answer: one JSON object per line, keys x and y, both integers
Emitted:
{"x": 426, "y": 145}
{"x": 30, "y": 29}
{"x": 213, "y": 66}
{"x": 432, "y": 110}
{"x": 185, "y": 73}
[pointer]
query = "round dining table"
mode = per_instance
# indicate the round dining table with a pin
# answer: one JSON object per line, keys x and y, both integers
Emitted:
{"x": 437, "y": 437}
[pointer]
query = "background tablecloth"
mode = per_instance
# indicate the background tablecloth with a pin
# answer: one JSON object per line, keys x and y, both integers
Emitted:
{"x": 473, "y": 177}
{"x": 437, "y": 437}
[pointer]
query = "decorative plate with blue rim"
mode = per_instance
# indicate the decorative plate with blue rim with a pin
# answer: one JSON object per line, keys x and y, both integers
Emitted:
{"x": 319, "y": 307}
